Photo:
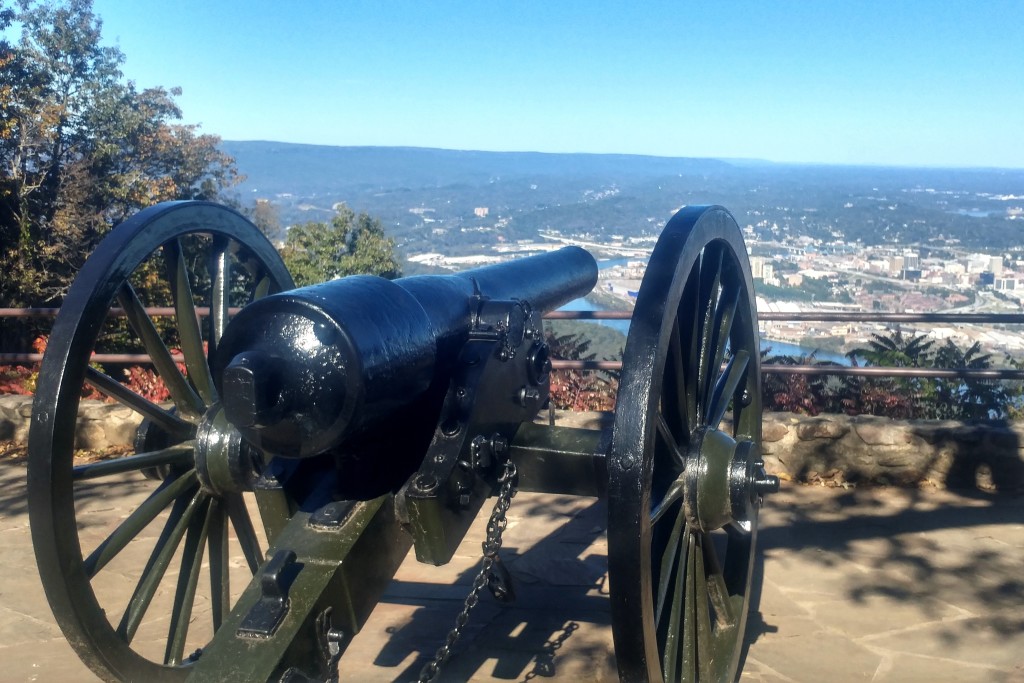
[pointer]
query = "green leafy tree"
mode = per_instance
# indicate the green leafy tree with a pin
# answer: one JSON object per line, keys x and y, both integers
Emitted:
{"x": 349, "y": 245}
{"x": 81, "y": 148}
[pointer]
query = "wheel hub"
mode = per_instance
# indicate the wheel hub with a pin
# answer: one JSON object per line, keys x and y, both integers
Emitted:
{"x": 225, "y": 463}
{"x": 724, "y": 480}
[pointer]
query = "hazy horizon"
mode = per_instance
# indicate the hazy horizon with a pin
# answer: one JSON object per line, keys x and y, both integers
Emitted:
{"x": 875, "y": 83}
{"x": 737, "y": 160}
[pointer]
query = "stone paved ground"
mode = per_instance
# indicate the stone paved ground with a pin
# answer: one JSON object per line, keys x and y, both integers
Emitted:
{"x": 856, "y": 585}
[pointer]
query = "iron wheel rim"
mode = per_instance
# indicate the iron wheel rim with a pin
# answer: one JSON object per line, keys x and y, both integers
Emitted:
{"x": 51, "y": 471}
{"x": 668, "y": 576}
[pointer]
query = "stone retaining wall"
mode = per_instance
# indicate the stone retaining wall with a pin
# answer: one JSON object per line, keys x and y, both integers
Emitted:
{"x": 880, "y": 450}
{"x": 101, "y": 425}
{"x": 827, "y": 447}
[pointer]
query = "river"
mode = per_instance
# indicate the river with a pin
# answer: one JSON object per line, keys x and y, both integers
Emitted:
{"x": 776, "y": 348}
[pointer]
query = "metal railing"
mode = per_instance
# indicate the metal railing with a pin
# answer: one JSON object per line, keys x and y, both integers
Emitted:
{"x": 766, "y": 368}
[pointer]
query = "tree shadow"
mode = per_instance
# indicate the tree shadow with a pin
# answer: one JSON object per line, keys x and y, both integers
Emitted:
{"x": 982, "y": 454}
{"x": 559, "y": 583}
{"x": 925, "y": 571}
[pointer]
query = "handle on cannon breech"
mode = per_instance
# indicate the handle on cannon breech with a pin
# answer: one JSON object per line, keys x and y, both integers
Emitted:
{"x": 301, "y": 371}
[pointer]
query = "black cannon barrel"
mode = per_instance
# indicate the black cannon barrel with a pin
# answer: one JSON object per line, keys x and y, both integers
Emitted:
{"x": 300, "y": 371}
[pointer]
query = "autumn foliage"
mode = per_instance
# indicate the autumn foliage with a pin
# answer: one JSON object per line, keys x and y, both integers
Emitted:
{"x": 21, "y": 379}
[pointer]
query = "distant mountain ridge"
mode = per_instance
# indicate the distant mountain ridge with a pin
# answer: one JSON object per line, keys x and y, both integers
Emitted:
{"x": 274, "y": 167}
{"x": 461, "y": 201}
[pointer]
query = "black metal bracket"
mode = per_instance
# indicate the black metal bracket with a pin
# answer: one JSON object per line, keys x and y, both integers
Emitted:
{"x": 268, "y": 613}
{"x": 500, "y": 381}
{"x": 332, "y": 515}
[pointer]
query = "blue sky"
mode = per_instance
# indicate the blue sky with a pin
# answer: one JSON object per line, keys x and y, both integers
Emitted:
{"x": 911, "y": 82}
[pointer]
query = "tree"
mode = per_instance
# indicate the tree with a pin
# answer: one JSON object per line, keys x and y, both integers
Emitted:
{"x": 82, "y": 149}
{"x": 264, "y": 216}
{"x": 349, "y": 245}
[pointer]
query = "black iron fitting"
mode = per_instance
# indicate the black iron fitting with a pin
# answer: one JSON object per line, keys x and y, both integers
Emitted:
{"x": 268, "y": 613}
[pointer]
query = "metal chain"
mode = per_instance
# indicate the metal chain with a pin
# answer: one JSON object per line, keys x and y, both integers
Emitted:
{"x": 492, "y": 543}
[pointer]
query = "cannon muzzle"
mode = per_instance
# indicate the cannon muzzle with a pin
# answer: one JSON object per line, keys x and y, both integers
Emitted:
{"x": 300, "y": 371}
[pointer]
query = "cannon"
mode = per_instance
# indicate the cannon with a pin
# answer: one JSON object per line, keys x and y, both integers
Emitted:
{"x": 359, "y": 418}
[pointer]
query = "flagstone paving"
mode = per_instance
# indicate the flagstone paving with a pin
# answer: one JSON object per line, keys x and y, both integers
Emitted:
{"x": 854, "y": 585}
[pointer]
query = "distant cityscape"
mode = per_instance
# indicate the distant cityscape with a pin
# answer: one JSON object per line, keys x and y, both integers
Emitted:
{"x": 819, "y": 237}
{"x": 788, "y": 273}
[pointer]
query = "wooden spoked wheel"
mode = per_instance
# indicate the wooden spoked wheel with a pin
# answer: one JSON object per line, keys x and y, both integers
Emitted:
{"x": 685, "y": 474}
{"x": 176, "y": 501}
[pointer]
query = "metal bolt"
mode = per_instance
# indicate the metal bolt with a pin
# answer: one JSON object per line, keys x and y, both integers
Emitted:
{"x": 769, "y": 484}
{"x": 425, "y": 482}
{"x": 528, "y": 395}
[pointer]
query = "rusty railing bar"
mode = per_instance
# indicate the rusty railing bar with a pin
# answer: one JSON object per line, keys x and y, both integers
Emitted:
{"x": 936, "y": 318}
{"x": 155, "y": 311}
{"x": 132, "y": 358}
{"x": 848, "y": 371}
{"x": 766, "y": 316}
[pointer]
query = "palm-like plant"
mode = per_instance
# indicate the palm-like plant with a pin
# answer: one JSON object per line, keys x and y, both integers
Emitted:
{"x": 967, "y": 398}
{"x": 896, "y": 350}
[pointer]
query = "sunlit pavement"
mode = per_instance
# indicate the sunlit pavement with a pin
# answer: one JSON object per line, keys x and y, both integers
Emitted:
{"x": 855, "y": 585}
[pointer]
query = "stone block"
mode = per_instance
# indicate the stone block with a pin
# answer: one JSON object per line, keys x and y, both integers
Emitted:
{"x": 120, "y": 431}
{"x": 909, "y": 458}
{"x": 822, "y": 428}
{"x": 90, "y": 435}
{"x": 882, "y": 432}
{"x": 773, "y": 430}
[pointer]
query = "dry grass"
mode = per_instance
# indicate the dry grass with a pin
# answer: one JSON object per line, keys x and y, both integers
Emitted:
{"x": 13, "y": 452}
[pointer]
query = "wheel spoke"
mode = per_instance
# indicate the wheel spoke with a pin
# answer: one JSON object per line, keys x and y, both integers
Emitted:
{"x": 188, "y": 323}
{"x": 703, "y": 618}
{"x": 168, "y": 421}
{"x": 181, "y": 515}
{"x": 674, "y": 398}
{"x": 220, "y": 587}
{"x": 741, "y": 541}
{"x": 690, "y": 305}
{"x": 689, "y": 645}
{"x": 245, "y": 531}
{"x": 725, "y": 387}
{"x": 138, "y": 520}
{"x": 188, "y": 579}
{"x": 708, "y": 299}
{"x": 220, "y": 277}
{"x": 179, "y": 455}
{"x": 670, "y": 655}
{"x": 670, "y": 442}
{"x": 718, "y": 592}
{"x": 725, "y": 314}
{"x": 262, "y": 288}
{"x": 672, "y": 551}
{"x": 185, "y": 398}
{"x": 672, "y": 495}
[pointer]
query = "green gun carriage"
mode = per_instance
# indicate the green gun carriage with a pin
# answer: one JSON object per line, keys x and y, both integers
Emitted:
{"x": 321, "y": 432}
